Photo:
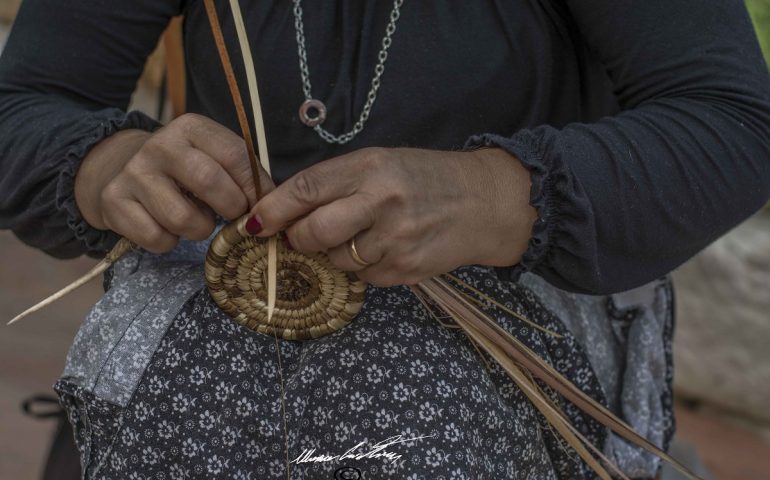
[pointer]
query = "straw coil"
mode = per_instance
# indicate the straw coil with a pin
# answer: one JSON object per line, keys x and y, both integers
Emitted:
{"x": 313, "y": 297}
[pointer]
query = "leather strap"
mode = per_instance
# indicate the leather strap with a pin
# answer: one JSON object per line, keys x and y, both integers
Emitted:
{"x": 235, "y": 92}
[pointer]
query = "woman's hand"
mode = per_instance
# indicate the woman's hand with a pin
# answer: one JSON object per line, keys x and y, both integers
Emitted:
{"x": 156, "y": 187}
{"x": 414, "y": 213}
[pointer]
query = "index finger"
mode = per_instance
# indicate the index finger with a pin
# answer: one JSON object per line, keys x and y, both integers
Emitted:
{"x": 229, "y": 150}
{"x": 309, "y": 189}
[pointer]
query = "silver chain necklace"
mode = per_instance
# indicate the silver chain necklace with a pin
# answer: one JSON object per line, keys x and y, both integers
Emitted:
{"x": 311, "y": 104}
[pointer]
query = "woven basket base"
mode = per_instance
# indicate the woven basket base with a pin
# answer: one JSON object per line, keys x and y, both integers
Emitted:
{"x": 313, "y": 297}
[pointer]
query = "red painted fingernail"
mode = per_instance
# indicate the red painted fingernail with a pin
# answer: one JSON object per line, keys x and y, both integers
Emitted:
{"x": 253, "y": 225}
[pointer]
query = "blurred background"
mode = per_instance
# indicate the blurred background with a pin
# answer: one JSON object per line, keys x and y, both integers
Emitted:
{"x": 722, "y": 343}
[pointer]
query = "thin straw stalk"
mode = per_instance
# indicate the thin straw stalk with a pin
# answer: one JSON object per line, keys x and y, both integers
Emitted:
{"x": 538, "y": 400}
{"x": 120, "y": 248}
{"x": 466, "y": 313}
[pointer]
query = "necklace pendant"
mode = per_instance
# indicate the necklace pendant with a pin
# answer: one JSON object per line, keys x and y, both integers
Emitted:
{"x": 312, "y": 112}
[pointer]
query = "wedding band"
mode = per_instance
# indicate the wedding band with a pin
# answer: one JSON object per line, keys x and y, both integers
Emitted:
{"x": 354, "y": 253}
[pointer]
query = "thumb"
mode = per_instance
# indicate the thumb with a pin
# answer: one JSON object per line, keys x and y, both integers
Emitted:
{"x": 297, "y": 197}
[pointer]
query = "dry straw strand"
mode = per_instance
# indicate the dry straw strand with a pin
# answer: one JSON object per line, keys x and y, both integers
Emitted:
{"x": 467, "y": 314}
{"x": 121, "y": 248}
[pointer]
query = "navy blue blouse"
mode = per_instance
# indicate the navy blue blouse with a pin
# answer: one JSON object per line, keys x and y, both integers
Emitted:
{"x": 645, "y": 124}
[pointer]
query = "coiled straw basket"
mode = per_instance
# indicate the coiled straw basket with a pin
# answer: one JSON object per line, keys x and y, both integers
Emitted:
{"x": 313, "y": 298}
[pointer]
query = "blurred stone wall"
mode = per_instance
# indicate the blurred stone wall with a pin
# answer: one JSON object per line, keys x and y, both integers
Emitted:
{"x": 722, "y": 341}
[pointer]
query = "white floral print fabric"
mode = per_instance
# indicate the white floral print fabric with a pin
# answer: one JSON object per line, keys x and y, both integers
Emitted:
{"x": 208, "y": 401}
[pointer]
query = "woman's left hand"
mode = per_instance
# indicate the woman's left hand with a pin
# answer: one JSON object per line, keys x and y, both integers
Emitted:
{"x": 414, "y": 213}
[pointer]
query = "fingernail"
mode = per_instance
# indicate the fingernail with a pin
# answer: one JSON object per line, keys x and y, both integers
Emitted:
{"x": 254, "y": 225}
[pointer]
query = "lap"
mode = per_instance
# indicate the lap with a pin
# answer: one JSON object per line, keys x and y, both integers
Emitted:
{"x": 208, "y": 403}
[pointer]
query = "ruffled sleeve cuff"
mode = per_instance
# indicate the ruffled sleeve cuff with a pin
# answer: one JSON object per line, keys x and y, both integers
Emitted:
{"x": 99, "y": 125}
{"x": 528, "y": 148}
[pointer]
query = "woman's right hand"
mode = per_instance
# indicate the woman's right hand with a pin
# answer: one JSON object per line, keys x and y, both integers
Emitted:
{"x": 153, "y": 188}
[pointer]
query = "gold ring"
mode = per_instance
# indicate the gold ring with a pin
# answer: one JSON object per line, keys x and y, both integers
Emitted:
{"x": 354, "y": 253}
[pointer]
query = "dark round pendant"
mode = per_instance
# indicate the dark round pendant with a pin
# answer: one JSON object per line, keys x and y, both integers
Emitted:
{"x": 312, "y": 112}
